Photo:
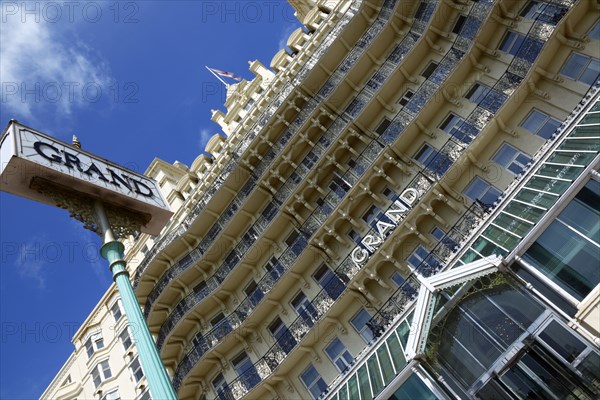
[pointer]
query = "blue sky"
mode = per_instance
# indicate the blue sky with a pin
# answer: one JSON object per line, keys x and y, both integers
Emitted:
{"x": 129, "y": 79}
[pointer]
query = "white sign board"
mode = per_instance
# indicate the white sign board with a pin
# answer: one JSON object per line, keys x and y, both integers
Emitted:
{"x": 26, "y": 154}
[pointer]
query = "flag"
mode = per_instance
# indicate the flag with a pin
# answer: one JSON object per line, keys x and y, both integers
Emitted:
{"x": 225, "y": 74}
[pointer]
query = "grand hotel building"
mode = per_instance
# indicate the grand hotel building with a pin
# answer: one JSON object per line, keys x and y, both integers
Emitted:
{"x": 405, "y": 205}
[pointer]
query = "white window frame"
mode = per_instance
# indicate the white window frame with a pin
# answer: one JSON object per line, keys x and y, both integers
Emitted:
{"x": 361, "y": 330}
{"x": 480, "y": 89}
{"x": 513, "y": 161}
{"x": 310, "y": 385}
{"x": 94, "y": 342}
{"x": 133, "y": 369}
{"x": 118, "y": 304}
{"x": 489, "y": 187}
{"x": 548, "y": 119}
{"x": 100, "y": 371}
{"x": 576, "y": 77}
{"x": 341, "y": 356}
{"x": 112, "y": 394}
{"x": 126, "y": 331}
{"x": 511, "y": 42}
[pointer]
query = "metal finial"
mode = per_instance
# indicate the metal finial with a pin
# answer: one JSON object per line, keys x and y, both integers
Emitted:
{"x": 76, "y": 142}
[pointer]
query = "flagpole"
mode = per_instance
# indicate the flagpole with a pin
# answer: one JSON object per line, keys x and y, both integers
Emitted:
{"x": 217, "y": 76}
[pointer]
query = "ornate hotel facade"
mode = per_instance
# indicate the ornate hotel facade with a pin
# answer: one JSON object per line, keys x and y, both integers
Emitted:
{"x": 405, "y": 205}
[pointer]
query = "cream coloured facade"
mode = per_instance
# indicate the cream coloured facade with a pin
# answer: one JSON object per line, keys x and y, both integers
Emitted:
{"x": 401, "y": 177}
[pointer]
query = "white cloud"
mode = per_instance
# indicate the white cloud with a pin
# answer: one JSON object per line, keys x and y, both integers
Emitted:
{"x": 45, "y": 68}
{"x": 285, "y": 35}
{"x": 30, "y": 262}
{"x": 205, "y": 136}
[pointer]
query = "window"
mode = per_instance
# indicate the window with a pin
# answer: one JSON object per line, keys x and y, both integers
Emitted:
{"x": 581, "y": 68}
{"x": 101, "y": 372}
{"x": 339, "y": 355}
{"x": 136, "y": 370}
{"x": 567, "y": 251}
{"x": 221, "y": 389}
{"x": 371, "y": 215}
{"x": 248, "y": 104}
{"x": 305, "y": 309}
{"x": 291, "y": 238}
{"x": 329, "y": 281}
{"x": 201, "y": 287}
{"x": 359, "y": 322}
{"x": 511, "y": 159}
{"x": 254, "y": 293}
{"x": 531, "y": 10}
{"x": 406, "y": 97}
{"x": 437, "y": 233}
{"x": 397, "y": 278}
{"x": 477, "y": 93}
{"x": 594, "y": 33}
{"x": 313, "y": 382}
{"x": 421, "y": 10}
{"x": 452, "y": 124}
{"x": 417, "y": 256}
{"x": 221, "y": 325}
{"x": 429, "y": 69}
{"x": 116, "y": 310}
{"x": 460, "y": 21}
{"x": 113, "y": 394}
{"x": 482, "y": 191}
{"x": 540, "y": 124}
{"x": 425, "y": 154}
{"x": 145, "y": 395}
{"x": 274, "y": 268}
{"x": 511, "y": 43}
{"x": 125, "y": 339}
{"x": 246, "y": 370}
{"x": 94, "y": 343}
{"x": 383, "y": 126}
{"x": 282, "y": 335}
{"x": 339, "y": 185}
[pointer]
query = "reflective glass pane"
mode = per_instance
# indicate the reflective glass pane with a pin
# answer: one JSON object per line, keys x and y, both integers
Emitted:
{"x": 375, "y": 374}
{"x": 396, "y": 352}
{"x": 413, "y": 388}
{"x": 386, "y": 365}
{"x": 562, "y": 341}
{"x": 363, "y": 383}
{"x": 567, "y": 259}
{"x": 574, "y": 66}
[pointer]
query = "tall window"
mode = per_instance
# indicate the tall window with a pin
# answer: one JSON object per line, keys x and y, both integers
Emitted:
{"x": 511, "y": 159}
{"x": 540, "y": 124}
{"x": 305, "y": 309}
{"x": 359, "y": 322}
{"x": 477, "y": 93}
{"x": 145, "y": 395}
{"x": 511, "y": 43}
{"x": 113, "y": 394}
{"x": 246, "y": 370}
{"x": 221, "y": 389}
{"x": 425, "y": 154}
{"x": 429, "y": 69}
{"x": 568, "y": 250}
{"x": 125, "y": 339}
{"x": 329, "y": 281}
{"x": 274, "y": 268}
{"x": 451, "y": 125}
{"x": 460, "y": 21}
{"x": 282, "y": 335}
{"x": 582, "y": 68}
{"x": 313, "y": 382}
{"x": 94, "y": 343}
{"x": 406, "y": 97}
{"x": 221, "y": 325}
{"x": 480, "y": 190}
{"x": 531, "y": 10}
{"x": 116, "y": 310}
{"x": 254, "y": 293}
{"x": 136, "y": 370}
{"x": 101, "y": 372}
{"x": 339, "y": 355}
{"x": 417, "y": 256}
